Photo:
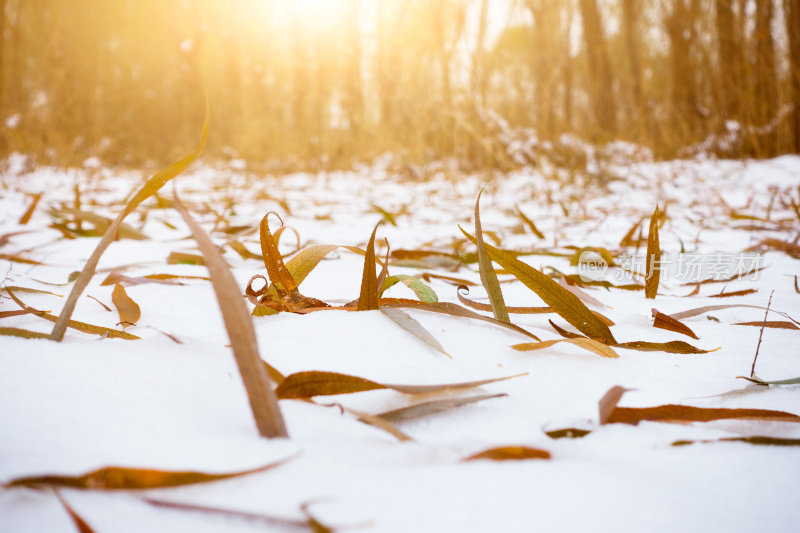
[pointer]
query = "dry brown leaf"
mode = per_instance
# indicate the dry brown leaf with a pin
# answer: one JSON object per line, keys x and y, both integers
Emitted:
{"x": 510, "y": 453}
{"x": 611, "y": 414}
{"x": 663, "y": 321}
{"x": 239, "y": 326}
{"x": 121, "y": 478}
{"x": 302, "y": 385}
{"x": 129, "y": 312}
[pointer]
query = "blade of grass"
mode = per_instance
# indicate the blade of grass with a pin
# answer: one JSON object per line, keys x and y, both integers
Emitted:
{"x": 488, "y": 276}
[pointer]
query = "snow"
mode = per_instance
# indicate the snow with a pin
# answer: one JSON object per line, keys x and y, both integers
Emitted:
{"x": 85, "y": 403}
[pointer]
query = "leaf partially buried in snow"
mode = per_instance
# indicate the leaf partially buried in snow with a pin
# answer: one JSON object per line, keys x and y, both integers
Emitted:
{"x": 308, "y": 384}
{"x": 148, "y": 189}
{"x": 563, "y": 302}
{"x": 77, "y": 520}
{"x": 510, "y": 453}
{"x": 792, "y": 381}
{"x": 239, "y": 326}
{"x": 407, "y": 322}
{"x": 669, "y": 347}
{"x": 448, "y": 308}
{"x": 487, "y": 273}
{"x": 663, "y": 321}
{"x": 591, "y": 345}
{"x": 121, "y": 478}
{"x": 653, "y": 258}
{"x": 22, "y": 333}
{"x": 423, "y": 292}
{"x": 368, "y": 299}
{"x": 777, "y": 324}
{"x": 708, "y": 308}
{"x": 129, "y": 311}
{"x": 74, "y": 324}
{"x": 611, "y": 414}
{"x": 757, "y": 440}
{"x": 433, "y": 406}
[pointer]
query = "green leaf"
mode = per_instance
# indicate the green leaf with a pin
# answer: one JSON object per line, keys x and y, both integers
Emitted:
{"x": 488, "y": 276}
{"x": 563, "y": 302}
{"x": 423, "y": 292}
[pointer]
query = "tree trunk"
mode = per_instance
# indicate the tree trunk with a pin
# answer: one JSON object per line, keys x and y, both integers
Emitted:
{"x": 602, "y": 91}
{"x": 679, "y": 28}
{"x": 730, "y": 76}
{"x": 791, "y": 12}
{"x": 630, "y": 19}
{"x": 766, "y": 91}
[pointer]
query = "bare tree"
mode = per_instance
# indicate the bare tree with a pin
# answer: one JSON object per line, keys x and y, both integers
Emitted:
{"x": 602, "y": 84}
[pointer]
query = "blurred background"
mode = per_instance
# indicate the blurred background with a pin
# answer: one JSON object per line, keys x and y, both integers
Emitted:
{"x": 326, "y": 84}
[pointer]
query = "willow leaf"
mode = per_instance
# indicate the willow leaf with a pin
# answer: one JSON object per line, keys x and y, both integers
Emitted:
{"x": 563, "y": 302}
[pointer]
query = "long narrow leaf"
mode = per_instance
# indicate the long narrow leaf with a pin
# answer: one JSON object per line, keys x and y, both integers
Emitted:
{"x": 368, "y": 300}
{"x": 149, "y": 188}
{"x": 563, "y": 302}
{"x": 240, "y": 332}
{"x": 488, "y": 276}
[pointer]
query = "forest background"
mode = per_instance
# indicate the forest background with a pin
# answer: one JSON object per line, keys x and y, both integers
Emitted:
{"x": 322, "y": 85}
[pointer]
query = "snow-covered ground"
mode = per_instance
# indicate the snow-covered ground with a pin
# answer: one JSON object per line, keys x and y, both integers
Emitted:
{"x": 88, "y": 402}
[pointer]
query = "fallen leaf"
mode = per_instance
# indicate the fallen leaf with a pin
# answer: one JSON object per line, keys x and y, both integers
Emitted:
{"x": 792, "y": 381}
{"x": 121, "y": 478}
{"x": 755, "y": 439}
{"x": 663, "y": 321}
{"x": 80, "y": 523}
{"x": 312, "y": 383}
{"x": 563, "y": 302}
{"x": 591, "y": 345}
{"x": 74, "y": 324}
{"x": 509, "y": 453}
{"x": 26, "y": 216}
{"x": 368, "y": 299}
{"x": 486, "y": 270}
{"x": 183, "y": 258}
{"x": 653, "y": 258}
{"x": 150, "y": 187}
{"x": 22, "y": 333}
{"x": 779, "y": 324}
{"x": 422, "y": 291}
{"x": 408, "y": 323}
{"x": 239, "y": 326}
{"x": 433, "y": 406}
{"x": 129, "y": 312}
{"x": 567, "y": 433}
{"x": 447, "y": 308}
{"x": 528, "y": 222}
{"x": 611, "y": 414}
{"x": 669, "y": 347}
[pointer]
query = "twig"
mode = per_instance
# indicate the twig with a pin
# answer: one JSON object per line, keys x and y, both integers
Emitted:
{"x": 760, "y": 334}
